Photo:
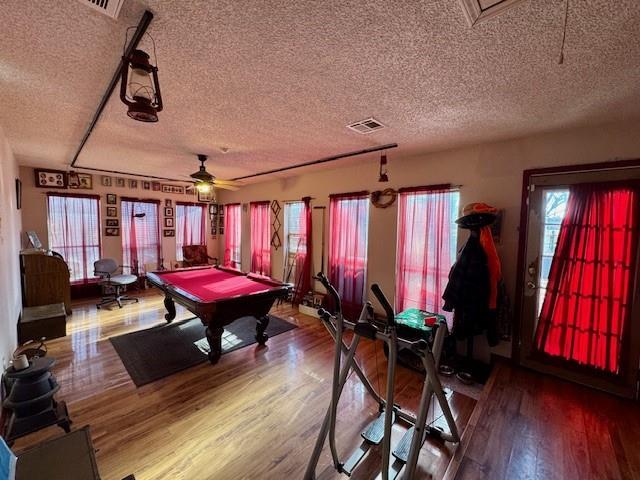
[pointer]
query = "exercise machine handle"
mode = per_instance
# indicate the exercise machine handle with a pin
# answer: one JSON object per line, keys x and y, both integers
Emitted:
{"x": 391, "y": 316}
{"x": 322, "y": 278}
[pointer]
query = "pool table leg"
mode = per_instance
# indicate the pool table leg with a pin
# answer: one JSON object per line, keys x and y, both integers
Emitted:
{"x": 214, "y": 337}
{"x": 261, "y": 326}
{"x": 171, "y": 309}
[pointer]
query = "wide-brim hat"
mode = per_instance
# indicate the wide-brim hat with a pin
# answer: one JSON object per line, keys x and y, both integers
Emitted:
{"x": 477, "y": 215}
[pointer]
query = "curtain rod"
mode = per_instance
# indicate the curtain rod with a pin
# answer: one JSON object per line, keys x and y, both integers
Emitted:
{"x": 321, "y": 160}
{"x": 147, "y": 16}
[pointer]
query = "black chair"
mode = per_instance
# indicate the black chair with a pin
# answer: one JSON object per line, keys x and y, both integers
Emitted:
{"x": 113, "y": 283}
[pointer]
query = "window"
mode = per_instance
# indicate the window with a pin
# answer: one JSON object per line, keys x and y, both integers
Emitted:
{"x": 426, "y": 250}
{"x": 74, "y": 232}
{"x": 232, "y": 235}
{"x": 348, "y": 237}
{"x": 190, "y": 226}
{"x": 140, "y": 234}
{"x": 294, "y": 238}
{"x": 260, "y": 238}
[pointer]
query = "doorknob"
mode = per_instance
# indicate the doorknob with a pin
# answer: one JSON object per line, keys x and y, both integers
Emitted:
{"x": 531, "y": 285}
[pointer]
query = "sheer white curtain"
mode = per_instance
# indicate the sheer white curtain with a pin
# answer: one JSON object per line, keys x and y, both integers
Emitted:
{"x": 140, "y": 234}
{"x": 190, "y": 226}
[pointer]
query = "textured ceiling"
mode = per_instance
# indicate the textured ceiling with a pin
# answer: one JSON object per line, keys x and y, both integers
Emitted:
{"x": 276, "y": 82}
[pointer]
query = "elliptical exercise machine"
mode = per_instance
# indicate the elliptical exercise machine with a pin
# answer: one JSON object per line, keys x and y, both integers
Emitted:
{"x": 407, "y": 450}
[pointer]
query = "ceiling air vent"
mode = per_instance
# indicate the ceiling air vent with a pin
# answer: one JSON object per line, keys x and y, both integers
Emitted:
{"x": 369, "y": 125}
{"x": 111, "y": 8}
{"x": 480, "y": 10}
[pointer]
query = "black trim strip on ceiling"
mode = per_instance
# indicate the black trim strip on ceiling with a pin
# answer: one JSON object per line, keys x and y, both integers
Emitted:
{"x": 322, "y": 160}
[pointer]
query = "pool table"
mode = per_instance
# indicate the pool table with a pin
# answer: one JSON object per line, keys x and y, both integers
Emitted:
{"x": 219, "y": 296}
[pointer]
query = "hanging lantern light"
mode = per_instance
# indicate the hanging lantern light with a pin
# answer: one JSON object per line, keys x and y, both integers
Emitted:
{"x": 383, "y": 169}
{"x": 139, "y": 88}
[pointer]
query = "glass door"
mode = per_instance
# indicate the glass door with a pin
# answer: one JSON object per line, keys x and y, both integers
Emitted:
{"x": 578, "y": 321}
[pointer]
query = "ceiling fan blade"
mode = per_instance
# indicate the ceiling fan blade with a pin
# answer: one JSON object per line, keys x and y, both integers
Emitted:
{"x": 219, "y": 181}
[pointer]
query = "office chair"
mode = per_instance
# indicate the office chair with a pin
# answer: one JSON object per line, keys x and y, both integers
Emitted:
{"x": 112, "y": 285}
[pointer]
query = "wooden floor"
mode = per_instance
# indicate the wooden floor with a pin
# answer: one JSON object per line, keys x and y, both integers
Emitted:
{"x": 254, "y": 415}
{"x": 532, "y": 426}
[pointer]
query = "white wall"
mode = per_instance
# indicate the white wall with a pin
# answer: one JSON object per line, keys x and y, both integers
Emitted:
{"x": 489, "y": 173}
{"x": 10, "y": 225}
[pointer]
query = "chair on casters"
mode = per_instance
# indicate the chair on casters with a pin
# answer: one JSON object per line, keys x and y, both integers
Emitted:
{"x": 196, "y": 255}
{"x": 406, "y": 451}
{"x": 106, "y": 269}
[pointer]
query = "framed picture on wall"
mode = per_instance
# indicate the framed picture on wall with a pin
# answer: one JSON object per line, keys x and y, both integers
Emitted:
{"x": 111, "y": 199}
{"x": 133, "y": 183}
{"x": 106, "y": 181}
{"x": 120, "y": 182}
{"x": 205, "y": 197}
{"x": 85, "y": 181}
{"x": 169, "y": 233}
{"x": 112, "y": 232}
{"x": 155, "y": 186}
{"x": 168, "y": 212}
{"x": 112, "y": 212}
{"x": 146, "y": 185}
{"x": 50, "y": 178}
{"x": 167, "y": 202}
{"x": 112, "y": 222}
{"x": 213, "y": 209}
{"x": 18, "y": 193}
{"x": 168, "y": 222}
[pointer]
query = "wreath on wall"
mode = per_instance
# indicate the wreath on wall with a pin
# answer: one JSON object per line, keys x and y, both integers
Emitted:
{"x": 383, "y": 198}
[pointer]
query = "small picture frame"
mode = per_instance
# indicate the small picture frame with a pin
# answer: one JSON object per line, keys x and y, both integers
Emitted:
{"x": 168, "y": 211}
{"x": 112, "y": 212}
{"x": 169, "y": 233}
{"x": 133, "y": 183}
{"x": 120, "y": 182}
{"x": 85, "y": 181}
{"x": 168, "y": 222}
{"x": 106, "y": 181}
{"x": 50, "y": 178}
{"x": 112, "y": 199}
{"x": 146, "y": 185}
{"x": 214, "y": 230}
{"x": 205, "y": 197}
{"x": 221, "y": 230}
{"x": 112, "y": 222}
{"x": 112, "y": 232}
{"x": 167, "y": 202}
{"x": 213, "y": 209}
{"x": 155, "y": 186}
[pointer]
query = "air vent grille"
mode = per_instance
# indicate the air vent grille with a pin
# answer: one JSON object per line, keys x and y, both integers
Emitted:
{"x": 364, "y": 127}
{"x": 111, "y": 8}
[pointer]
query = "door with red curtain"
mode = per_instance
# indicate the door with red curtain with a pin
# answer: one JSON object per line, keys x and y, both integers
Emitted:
{"x": 579, "y": 278}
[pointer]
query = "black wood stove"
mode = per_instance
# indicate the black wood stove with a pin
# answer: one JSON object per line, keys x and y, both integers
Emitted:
{"x": 31, "y": 400}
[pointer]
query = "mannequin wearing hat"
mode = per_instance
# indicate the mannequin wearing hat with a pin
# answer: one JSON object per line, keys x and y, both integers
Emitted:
{"x": 472, "y": 290}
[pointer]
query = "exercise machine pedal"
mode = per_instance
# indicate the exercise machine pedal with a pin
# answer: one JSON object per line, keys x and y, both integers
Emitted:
{"x": 372, "y": 435}
{"x": 401, "y": 452}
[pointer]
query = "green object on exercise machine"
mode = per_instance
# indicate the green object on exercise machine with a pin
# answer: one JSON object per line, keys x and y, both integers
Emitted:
{"x": 411, "y": 323}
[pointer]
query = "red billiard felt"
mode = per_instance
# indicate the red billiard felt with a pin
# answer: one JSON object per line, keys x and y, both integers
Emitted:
{"x": 212, "y": 284}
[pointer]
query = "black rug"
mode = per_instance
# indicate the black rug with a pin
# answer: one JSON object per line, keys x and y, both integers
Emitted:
{"x": 158, "y": 352}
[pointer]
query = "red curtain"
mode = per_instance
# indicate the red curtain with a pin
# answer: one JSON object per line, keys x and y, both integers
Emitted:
{"x": 586, "y": 309}
{"x": 74, "y": 232}
{"x": 426, "y": 246}
{"x": 348, "y": 236}
{"x": 190, "y": 226}
{"x": 303, "y": 257}
{"x": 140, "y": 234}
{"x": 232, "y": 235}
{"x": 260, "y": 238}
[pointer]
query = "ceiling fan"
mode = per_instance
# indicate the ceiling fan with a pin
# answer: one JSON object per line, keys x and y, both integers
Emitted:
{"x": 204, "y": 181}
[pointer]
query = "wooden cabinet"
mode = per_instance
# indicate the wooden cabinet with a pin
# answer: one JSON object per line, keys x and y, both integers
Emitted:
{"x": 45, "y": 280}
